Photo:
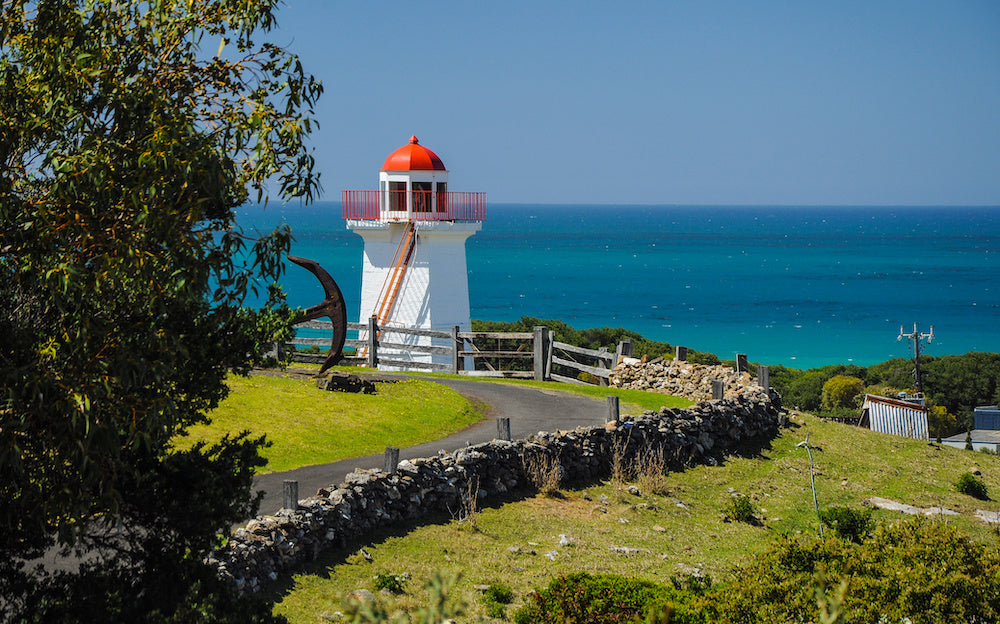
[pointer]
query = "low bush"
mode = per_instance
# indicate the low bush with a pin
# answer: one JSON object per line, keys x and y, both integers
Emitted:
{"x": 603, "y": 599}
{"x": 392, "y": 583}
{"x": 916, "y": 571}
{"x": 972, "y": 485}
{"x": 741, "y": 509}
{"x": 850, "y": 523}
{"x": 496, "y": 598}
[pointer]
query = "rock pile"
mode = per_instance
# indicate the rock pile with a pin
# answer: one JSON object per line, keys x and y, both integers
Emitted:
{"x": 369, "y": 499}
{"x": 678, "y": 378}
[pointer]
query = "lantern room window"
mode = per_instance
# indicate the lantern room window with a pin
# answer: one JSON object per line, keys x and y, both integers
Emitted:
{"x": 422, "y": 196}
{"x": 397, "y": 196}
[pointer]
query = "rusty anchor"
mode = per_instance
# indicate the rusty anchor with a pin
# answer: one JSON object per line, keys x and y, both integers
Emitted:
{"x": 332, "y": 306}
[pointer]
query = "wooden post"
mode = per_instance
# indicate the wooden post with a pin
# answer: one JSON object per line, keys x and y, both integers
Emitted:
{"x": 612, "y": 408}
{"x": 391, "y": 459}
{"x": 763, "y": 377}
{"x": 503, "y": 429}
{"x": 718, "y": 389}
{"x": 540, "y": 352}
{"x": 372, "y": 341}
{"x": 681, "y": 354}
{"x": 624, "y": 350}
{"x": 548, "y": 357}
{"x": 741, "y": 363}
{"x": 456, "y": 346}
{"x": 602, "y": 364}
{"x": 290, "y": 495}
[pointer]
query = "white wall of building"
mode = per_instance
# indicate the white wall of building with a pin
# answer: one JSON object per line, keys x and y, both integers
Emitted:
{"x": 434, "y": 293}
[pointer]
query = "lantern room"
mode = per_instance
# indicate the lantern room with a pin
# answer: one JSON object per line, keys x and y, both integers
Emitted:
{"x": 413, "y": 182}
{"x": 413, "y": 186}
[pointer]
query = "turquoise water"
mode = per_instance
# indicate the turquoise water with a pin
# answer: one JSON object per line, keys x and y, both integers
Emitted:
{"x": 797, "y": 286}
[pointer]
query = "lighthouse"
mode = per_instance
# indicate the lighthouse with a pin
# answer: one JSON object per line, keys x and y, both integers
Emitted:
{"x": 414, "y": 273}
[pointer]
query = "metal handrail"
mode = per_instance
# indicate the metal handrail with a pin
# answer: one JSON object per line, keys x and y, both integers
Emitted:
{"x": 423, "y": 205}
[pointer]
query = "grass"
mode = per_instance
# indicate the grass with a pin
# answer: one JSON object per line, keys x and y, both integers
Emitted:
{"x": 632, "y": 401}
{"x": 307, "y": 425}
{"x": 653, "y": 536}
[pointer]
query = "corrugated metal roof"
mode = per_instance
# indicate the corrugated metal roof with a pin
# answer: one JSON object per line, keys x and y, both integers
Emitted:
{"x": 896, "y": 417}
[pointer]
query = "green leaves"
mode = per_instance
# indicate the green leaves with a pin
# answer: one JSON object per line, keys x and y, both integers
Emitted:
{"x": 129, "y": 131}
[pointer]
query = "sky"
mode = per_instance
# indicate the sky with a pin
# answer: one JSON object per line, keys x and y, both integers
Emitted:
{"x": 763, "y": 103}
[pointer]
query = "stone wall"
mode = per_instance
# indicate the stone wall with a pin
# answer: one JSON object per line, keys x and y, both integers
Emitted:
{"x": 678, "y": 378}
{"x": 368, "y": 500}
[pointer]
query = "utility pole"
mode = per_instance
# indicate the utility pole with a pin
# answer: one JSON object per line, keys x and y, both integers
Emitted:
{"x": 915, "y": 338}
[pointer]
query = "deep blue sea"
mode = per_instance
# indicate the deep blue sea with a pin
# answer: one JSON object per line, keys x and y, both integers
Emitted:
{"x": 799, "y": 286}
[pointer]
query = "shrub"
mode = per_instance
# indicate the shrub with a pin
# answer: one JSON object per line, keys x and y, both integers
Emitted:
{"x": 969, "y": 484}
{"x": 604, "y": 598}
{"x": 499, "y": 592}
{"x": 392, "y": 583}
{"x": 741, "y": 509}
{"x": 496, "y": 597}
{"x": 916, "y": 570}
{"x": 850, "y": 523}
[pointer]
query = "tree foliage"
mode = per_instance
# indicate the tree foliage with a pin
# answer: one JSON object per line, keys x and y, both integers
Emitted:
{"x": 129, "y": 132}
{"x": 842, "y": 391}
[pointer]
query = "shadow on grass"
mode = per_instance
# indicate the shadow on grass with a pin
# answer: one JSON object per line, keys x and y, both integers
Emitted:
{"x": 350, "y": 550}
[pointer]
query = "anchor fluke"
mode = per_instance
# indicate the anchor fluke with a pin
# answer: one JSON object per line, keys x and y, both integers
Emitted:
{"x": 332, "y": 307}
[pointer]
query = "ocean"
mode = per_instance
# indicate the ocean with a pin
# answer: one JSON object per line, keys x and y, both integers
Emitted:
{"x": 799, "y": 286}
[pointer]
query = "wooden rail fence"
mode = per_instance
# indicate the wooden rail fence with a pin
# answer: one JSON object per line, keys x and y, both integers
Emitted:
{"x": 394, "y": 346}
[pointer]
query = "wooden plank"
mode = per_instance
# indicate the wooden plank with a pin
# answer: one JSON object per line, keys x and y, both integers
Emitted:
{"x": 570, "y": 380}
{"x": 416, "y": 332}
{"x": 593, "y": 370}
{"x": 309, "y": 358}
{"x": 409, "y": 364}
{"x": 501, "y": 335}
{"x": 315, "y": 325}
{"x": 505, "y": 354}
{"x": 413, "y": 348}
{"x": 603, "y": 355}
{"x": 508, "y": 374}
{"x": 318, "y": 342}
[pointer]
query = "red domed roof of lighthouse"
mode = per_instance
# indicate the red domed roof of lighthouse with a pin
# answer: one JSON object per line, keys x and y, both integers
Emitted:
{"x": 413, "y": 157}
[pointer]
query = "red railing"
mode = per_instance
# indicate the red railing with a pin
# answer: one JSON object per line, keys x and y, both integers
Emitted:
{"x": 450, "y": 206}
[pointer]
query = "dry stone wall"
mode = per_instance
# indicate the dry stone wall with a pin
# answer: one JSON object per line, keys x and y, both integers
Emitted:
{"x": 371, "y": 499}
{"x": 679, "y": 378}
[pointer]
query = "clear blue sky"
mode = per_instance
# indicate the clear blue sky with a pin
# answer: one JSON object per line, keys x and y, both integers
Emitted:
{"x": 840, "y": 102}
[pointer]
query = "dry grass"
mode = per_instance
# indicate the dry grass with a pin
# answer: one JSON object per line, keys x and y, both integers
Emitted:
{"x": 543, "y": 471}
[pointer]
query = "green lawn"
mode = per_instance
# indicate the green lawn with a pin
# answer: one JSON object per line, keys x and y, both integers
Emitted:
{"x": 674, "y": 526}
{"x": 307, "y": 425}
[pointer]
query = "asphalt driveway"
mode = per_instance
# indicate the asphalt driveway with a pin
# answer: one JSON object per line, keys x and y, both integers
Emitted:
{"x": 530, "y": 410}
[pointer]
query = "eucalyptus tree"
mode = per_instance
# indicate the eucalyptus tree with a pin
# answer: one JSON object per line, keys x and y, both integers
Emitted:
{"x": 129, "y": 133}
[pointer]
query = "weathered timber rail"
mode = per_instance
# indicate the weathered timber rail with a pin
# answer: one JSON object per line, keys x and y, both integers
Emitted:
{"x": 394, "y": 347}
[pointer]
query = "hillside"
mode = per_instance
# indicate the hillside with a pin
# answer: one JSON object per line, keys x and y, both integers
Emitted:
{"x": 676, "y": 525}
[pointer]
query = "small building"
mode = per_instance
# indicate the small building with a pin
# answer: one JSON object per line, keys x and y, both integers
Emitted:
{"x": 985, "y": 436}
{"x": 902, "y": 418}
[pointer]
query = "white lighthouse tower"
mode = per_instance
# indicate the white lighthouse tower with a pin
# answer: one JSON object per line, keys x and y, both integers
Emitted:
{"x": 414, "y": 272}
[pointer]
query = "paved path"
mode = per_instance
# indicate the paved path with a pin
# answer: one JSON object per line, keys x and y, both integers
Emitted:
{"x": 530, "y": 410}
